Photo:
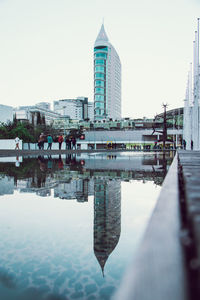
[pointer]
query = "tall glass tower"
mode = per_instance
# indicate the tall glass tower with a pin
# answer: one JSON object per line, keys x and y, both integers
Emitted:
{"x": 107, "y": 79}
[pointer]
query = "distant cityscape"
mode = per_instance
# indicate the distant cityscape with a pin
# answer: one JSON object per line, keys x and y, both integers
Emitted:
{"x": 104, "y": 113}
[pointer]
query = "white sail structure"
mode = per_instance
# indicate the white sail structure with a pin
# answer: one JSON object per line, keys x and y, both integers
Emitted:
{"x": 191, "y": 127}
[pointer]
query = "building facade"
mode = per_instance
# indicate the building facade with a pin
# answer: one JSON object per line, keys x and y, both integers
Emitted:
{"x": 76, "y": 109}
{"x": 6, "y": 113}
{"x": 107, "y": 79}
{"x": 35, "y": 115}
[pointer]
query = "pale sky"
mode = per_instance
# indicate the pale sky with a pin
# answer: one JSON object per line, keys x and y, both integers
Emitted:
{"x": 46, "y": 50}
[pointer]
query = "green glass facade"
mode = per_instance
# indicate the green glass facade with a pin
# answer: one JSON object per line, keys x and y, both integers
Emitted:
{"x": 100, "y": 63}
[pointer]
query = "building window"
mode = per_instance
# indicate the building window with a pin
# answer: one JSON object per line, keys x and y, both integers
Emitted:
{"x": 99, "y": 69}
{"x": 99, "y": 62}
{"x": 99, "y": 98}
{"x": 99, "y": 91}
{"x": 100, "y": 55}
{"x": 99, "y": 105}
{"x": 99, "y": 76}
{"x": 99, "y": 83}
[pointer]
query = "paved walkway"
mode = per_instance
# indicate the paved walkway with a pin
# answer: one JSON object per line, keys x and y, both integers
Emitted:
{"x": 189, "y": 180}
{"x": 168, "y": 262}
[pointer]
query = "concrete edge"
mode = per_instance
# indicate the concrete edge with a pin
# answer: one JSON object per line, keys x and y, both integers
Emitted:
{"x": 158, "y": 272}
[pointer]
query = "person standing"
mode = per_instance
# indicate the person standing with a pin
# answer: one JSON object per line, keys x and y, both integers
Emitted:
{"x": 68, "y": 143}
{"x": 17, "y": 140}
{"x": 49, "y": 141}
{"x": 60, "y": 140}
{"x": 74, "y": 143}
{"x": 41, "y": 141}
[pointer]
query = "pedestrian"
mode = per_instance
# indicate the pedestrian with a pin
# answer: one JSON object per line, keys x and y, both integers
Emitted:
{"x": 41, "y": 141}
{"x": 49, "y": 141}
{"x": 74, "y": 143}
{"x": 68, "y": 142}
{"x": 192, "y": 144}
{"x": 17, "y": 140}
{"x": 60, "y": 140}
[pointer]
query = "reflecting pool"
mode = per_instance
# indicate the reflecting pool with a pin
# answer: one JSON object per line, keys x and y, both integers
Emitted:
{"x": 69, "y": 225}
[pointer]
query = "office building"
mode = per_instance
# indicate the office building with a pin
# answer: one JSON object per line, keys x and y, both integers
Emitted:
{"x": 76, "y": 109}
{"x": 107, "y": 79}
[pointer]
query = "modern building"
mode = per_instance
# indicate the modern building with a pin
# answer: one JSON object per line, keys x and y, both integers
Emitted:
{"x": 45, "y": 105}
{"x": 107, "y": 218}
{"x": 35, "y": 115}
{"x": 6, "y": 113}
{"x": 76, "y": 109}
{"x": 107, "y": 79}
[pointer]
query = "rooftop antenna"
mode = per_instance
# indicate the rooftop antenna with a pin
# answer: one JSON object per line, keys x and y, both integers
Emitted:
{"x": 103, "y": 21}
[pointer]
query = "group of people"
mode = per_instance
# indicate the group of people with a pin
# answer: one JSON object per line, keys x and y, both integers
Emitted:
{"x": 69, "y": 141}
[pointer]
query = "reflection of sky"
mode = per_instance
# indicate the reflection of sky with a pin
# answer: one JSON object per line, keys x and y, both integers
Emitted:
{"x": 47, "y": 243}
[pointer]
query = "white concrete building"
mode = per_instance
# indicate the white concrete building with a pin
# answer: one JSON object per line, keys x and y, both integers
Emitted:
{"x": 91, "y": 111}
{"x": 191, "y": 129}
{"x": 76, "y": 109}
{"x": 6, "y": 113}
{"x": 45, "y": 105}
{"x": 36, "y": 115}
{"x": 107, "y": 79}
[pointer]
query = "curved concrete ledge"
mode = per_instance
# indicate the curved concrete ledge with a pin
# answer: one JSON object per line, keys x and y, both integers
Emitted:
{"x": 158, "y": 272}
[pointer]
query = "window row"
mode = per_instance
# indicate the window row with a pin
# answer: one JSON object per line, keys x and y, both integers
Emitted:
{"x": 102, "y": 48}
{"x": 99, "y": 83}
{"x": 99, "y": 69}
{"x": 100, "y": 62}
{"x": 103, "y": 55}
{"x": 99, "y": 98}
{"x": 99, "y": 76}
{"x": 99, "y": 112}
{"x": 99, "y": 91}
{"x": 99, "y": 105}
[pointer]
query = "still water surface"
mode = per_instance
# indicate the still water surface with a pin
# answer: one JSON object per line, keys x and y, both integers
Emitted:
{"x": 70, "y": 225}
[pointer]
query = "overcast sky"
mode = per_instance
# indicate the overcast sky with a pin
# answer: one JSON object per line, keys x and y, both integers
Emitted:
{"x": 46, "y": 50}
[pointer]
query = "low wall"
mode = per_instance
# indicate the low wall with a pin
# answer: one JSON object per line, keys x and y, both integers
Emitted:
{"x": 158, "y": 271}
{"x": 9, "y": 144}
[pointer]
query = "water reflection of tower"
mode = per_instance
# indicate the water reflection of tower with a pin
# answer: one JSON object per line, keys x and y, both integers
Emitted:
{"x": 107, "y": 218}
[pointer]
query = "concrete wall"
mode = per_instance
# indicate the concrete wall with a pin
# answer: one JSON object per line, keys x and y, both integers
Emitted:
{"x": 9, "y": 144}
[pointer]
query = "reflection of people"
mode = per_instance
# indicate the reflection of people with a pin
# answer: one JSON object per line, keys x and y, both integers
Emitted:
{"x": 60, "y": 140}
{"x": 68, "y": 159}
{"x": 17, "y": 140}
{"x": 68, "y": 143}
{"x": 17, "y": 163}
{"x": 50, "y": 141}
{"x": 49, "y": 163}
{"x": 42, "y": 163}
{"x": 74, "y": 143}
{"x": 60, "y": 163}
{"x": 191, "y": 145}
{"x": 184, "y": 144}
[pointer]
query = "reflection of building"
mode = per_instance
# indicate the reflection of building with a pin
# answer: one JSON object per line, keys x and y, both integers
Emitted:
{"x": 107, "y": 218}
{"x": 6, "y": 185}
{"x": 73, "y": 189}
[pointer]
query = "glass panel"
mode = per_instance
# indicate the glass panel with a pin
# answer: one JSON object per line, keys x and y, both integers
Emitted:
{"x": 99, "y": 83}
{"x": 99, "y": 75}
{"x": 99, "y": 105}
{"x": 100, "y": 48}
{"x": 103, "y": 55}
{"x": 99, "y": 91}
{"x": 99, "y": 62}
{"x": 99, "y": 69}
{"x": 99, "y": 98}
